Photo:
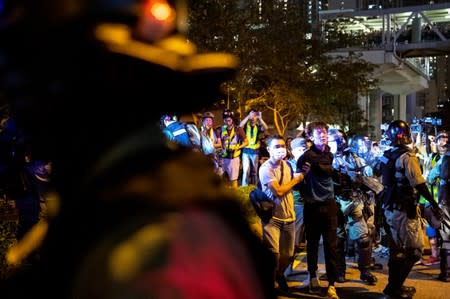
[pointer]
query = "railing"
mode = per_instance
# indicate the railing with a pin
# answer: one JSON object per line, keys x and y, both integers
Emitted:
{"x": 420, "y": 65}
{"x": 414, "y": 31}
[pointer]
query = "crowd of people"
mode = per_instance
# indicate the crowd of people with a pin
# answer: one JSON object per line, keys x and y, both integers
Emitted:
{"x": 236, "y": 147}
{"x": 142, "y": 217}
{"x": 351, "y": 192}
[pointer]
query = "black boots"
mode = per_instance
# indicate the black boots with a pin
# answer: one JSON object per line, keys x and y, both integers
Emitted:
{"x": 368, "y": 277}
{"x": 282, "y": 283}
{"x": 402, "y": 293}
{"x": 444, "y": 265}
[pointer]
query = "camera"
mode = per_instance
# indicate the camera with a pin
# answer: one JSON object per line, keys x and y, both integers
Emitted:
{"x": 416, "y": 128}
{"x": 384, "y": 127}
{"x": 434, "y": 121}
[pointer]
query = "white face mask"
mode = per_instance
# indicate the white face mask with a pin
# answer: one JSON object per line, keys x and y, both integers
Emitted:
{"x": 279, "y": 153}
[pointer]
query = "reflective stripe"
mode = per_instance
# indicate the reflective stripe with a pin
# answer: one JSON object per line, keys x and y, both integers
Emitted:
{"x": 179, "y": 132}
{"x": 252, "y": 136}
{"x": 230, "y": 144}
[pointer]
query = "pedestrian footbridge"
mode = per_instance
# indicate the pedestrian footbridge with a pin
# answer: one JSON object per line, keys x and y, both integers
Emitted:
{"x": 399, "y": 40}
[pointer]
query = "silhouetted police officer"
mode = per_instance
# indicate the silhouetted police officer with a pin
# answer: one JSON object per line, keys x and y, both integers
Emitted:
{"x": 135, "y": 214}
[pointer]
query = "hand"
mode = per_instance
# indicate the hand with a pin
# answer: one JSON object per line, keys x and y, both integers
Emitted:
{"x": 306, "y": 168}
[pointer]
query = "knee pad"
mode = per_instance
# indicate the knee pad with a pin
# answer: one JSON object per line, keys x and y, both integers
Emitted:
{"x": 364, "y": 242}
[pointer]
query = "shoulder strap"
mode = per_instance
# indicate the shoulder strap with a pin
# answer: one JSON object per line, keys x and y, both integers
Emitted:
{"x": 393, "y": 155}
{"x": 282, "y": 172}
{"x": 290, "y": 168}
{"x": 281, "y": 178}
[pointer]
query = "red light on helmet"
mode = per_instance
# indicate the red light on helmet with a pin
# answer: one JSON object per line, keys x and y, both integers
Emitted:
{"x": 161, "y": 11}
{"x": 158, "y": 20}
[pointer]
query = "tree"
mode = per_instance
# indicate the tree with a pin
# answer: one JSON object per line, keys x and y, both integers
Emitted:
{"x": 283, "y": 69}
{"x": 285, "y": 104}
{"x": 340, "y": 82}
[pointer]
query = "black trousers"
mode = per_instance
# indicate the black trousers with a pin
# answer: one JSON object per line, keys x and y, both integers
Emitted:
{"x": 321, "y": 221}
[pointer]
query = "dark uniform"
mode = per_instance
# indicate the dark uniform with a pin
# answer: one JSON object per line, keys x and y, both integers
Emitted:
{"x": 403, "y": 182}
{"x": 355, "y": 205}
{"x": 137, "y": 218}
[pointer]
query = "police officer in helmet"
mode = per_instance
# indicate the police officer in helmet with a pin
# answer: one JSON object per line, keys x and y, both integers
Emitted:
{"x": 79, "y": 75}
{"x": 355, "y": 205}
{"x": 402, "y": 179}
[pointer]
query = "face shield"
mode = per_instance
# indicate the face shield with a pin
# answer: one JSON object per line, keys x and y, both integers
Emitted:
{"x": 332, "y": 142}
{"x": 298, "y": 151}
{"x": 364, "y": 146}
{"x": 336, "y": 140}
{"x": 360, "y": 145}
{"x": 333, "y": 146}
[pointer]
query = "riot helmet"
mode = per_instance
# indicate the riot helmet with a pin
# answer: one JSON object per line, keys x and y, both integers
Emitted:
{"x": 337, "y": 140}
{"x": 399, "y": 133}
{"x": 104, "y": 51}
{"x": 113, "y": 52}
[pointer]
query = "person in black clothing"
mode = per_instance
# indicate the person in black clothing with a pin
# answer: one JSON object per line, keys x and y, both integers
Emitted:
{"x": 320, "y": 211}
{"x": 17, "y": 182}
{"x": 9, "y": 138}
{"x": 27, "y": 200}
{"x": 138, "y": 218}
{"x": 337, "y": 140}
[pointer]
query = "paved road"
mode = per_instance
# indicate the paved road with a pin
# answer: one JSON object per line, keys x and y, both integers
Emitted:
{"x": 423, "y": 278}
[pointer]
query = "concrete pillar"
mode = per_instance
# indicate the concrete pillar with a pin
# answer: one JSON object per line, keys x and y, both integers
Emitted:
{"x": 376, "y": 114}
{"x": 411, "y": 106}
{"x": 402, "y": 107}
{"x": 416, "y": 28}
